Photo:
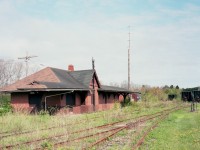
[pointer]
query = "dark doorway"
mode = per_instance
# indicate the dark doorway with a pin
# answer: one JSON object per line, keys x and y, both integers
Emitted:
{"x": 70, "y": 100}
{"x": 172, "y": 96}
{"x": 82, "y": 95}
{"x": 35, "y": 99}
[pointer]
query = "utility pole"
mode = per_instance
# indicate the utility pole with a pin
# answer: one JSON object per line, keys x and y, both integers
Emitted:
{"x": 26, "y": 59}
{"x": 129, "y": 47}
{"x": 93, "y": 65}
{"x": 93, "y": 96}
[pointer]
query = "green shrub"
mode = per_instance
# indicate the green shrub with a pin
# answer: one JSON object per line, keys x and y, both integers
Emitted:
{"x": 47, "y": 145}
{"x": 5, "y": 106}
{"x": 155, "y": 94}
{"x": 135, "y": 104}
{"x": 126, "y": 102}
{"x": 116, "y": 106}
{"x": 43, "y": 113}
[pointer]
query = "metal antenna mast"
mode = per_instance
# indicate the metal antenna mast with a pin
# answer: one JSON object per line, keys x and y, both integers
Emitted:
{"x": 93, "y": 86}
{"x": 26, "y": 59}
{"x": 93, "y": 65}
{"x": 129, "y": 47}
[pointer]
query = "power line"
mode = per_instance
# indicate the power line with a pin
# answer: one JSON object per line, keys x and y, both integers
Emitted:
{"x": 26, "y": 59}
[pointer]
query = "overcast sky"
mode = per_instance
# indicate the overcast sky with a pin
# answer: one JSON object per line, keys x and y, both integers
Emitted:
{"x": 165, "y": 37}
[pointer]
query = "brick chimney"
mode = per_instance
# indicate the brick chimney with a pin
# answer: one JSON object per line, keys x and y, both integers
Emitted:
{"x": 70, "y": 68}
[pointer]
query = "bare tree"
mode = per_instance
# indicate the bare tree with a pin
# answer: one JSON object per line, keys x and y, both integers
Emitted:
{"x": 19, "y": 70}
{"x": 10, "y": 71}
{"x": 114, "y": 84}
{"x": 124, "y": 84}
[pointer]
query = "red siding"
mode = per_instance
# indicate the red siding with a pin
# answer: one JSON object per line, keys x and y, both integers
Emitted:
{"x": 77, "y": 100}
{"x": 83, "y": 109}
{"x": 19, "y": 101}
{"x": 121, "y": 98}
{"x": 63, "y": 101}
{"x": 54, "y": 101}
{"x": 101, "y": 99}
{"x": 88, "y": 99}
{"x": 96, "y": 96}
{"x": 111, "y": 99}
{"x": 88, "y": 109}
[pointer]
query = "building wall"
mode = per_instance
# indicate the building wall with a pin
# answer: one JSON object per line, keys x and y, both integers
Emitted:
{"x": 100, "y": 106}
{"x": 111, "y": 99}
{"x": 19, "y": 101}
{"x": 83, "y": 109}
{"x": 63, "y": 100}
{"x": 77, "y": 100}
{"x": 88, "y": 99}
{"x": 53, "y": 100}
{"x": 101, "y": 99}
{"x": 96, "y": 96}
{"x": 121, "y": 98}
{"x": 95, "y": 92}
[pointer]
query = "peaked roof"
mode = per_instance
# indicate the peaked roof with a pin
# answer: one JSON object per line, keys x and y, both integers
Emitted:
{"x": 53, "y": 78}
{"x": 83, "y": 76}
{"x": 45, "y": 74}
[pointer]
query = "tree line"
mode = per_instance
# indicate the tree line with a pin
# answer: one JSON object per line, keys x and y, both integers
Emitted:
{"x": 11, "y": 71}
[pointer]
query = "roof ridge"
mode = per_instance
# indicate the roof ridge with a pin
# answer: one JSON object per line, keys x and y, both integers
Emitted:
{"x": 82, "y": 70}
{"x": 71, "y": 71}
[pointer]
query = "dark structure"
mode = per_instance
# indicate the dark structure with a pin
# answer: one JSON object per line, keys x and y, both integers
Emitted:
{"x": 191, "y": 94}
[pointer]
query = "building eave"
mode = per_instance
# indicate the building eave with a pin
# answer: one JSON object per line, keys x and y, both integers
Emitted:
{"x": 43, "y": 90}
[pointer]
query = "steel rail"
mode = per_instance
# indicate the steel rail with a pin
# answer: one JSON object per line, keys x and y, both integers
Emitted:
{"x": 83, "y": 130}
{"x": 105, "y": 138}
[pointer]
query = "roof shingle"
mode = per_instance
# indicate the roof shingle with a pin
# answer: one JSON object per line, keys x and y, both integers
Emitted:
{"x": 53, "y": 78}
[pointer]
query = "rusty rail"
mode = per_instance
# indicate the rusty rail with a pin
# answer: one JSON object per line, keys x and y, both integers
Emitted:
{"x": 139, "y": 143}
{"x": 141, "y": 140}
{"x": 56, "y": 145}
{"x": 83, "y": 130}
{"x": 104, "y": 138}
{"x": 50, "y": 128}
{"x": 144, "y": 120}
{"x": 53, "y": 127}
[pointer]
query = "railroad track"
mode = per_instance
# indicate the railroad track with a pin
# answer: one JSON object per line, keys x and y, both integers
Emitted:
{"x": 111, "y": 132}
{"x": 108, "y": 130}
{"x": 83, "y": 121}
{"x": 135, "y": 124}
{"x": 10, "y": 133}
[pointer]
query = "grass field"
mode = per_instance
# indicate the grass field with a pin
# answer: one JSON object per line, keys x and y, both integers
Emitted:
{"x": 179, "y": 128}
{"x": 179, "y": 131}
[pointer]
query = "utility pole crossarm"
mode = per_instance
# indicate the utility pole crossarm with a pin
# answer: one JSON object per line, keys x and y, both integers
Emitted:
{"x": 26, "y": 59}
